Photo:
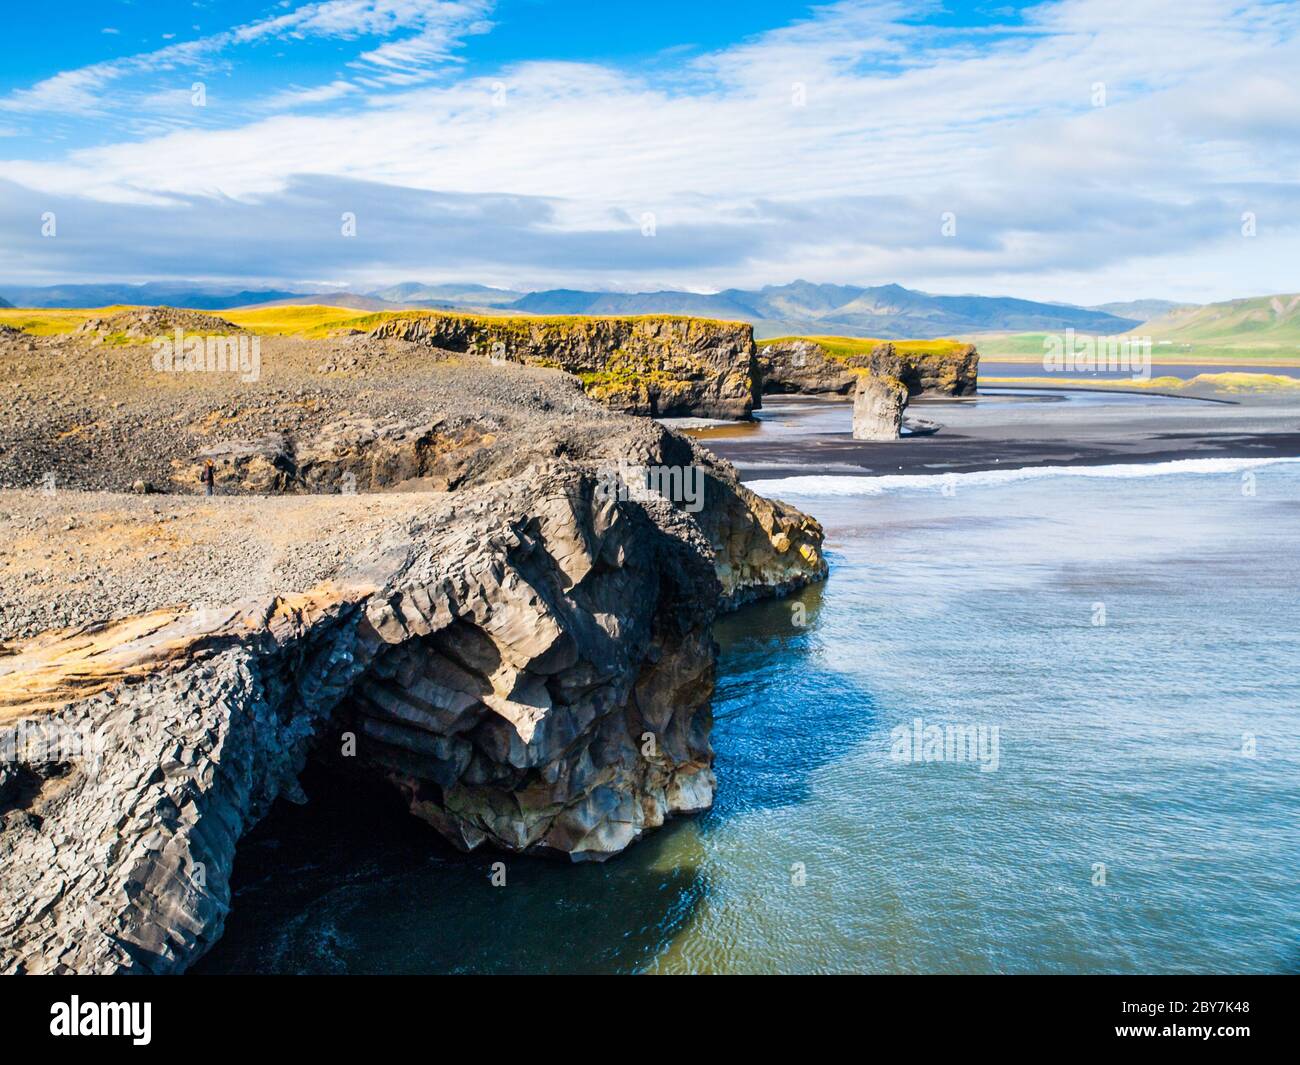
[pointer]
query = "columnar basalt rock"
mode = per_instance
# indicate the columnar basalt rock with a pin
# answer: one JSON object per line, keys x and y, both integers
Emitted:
{"x": 504, "y": 623}
{"x": 528, "y": 662}
{"x": 188, "y": 729}
{"x": 531, "y": 667}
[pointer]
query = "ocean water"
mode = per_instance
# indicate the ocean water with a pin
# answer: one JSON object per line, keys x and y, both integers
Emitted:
{"x": 1125, "y": 639}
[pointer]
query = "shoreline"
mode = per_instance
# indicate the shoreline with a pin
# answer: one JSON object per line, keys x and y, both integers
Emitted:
{"x": 1032, "y": 457}
{"x": 803, "y": 437}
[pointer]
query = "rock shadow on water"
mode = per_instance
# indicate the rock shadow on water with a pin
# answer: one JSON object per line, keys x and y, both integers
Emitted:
{"x": 351, "y": 883}
{"x": 780, "y": 713}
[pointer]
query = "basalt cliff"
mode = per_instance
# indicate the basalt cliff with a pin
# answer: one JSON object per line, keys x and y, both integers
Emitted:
{"x": 832, "y": 365}
{"x": 663, "y": 366}
{"x": 421, "y": 568}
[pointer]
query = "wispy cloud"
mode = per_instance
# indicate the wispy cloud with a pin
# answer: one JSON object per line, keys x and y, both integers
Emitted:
{"x": 437, "y": 24}
{"x": 292, "y": 98}
{"x": 1091, "y": 148}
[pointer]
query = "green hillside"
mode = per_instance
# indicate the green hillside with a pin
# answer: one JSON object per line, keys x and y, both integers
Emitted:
{"x": 1265, "y": 328}
{"x": 1264, "y": 324}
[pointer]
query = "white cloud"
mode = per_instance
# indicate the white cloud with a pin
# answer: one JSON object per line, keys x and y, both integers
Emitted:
{"x": 828, "y": 149}
{"x": 436, "y": 24}
{"x": 291, "y": 98}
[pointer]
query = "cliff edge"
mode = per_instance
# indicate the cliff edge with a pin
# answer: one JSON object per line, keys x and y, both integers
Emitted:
{"x": 472, "y": 583}
{"x": 831, "y": 365}
{"x": 661, "y": 366}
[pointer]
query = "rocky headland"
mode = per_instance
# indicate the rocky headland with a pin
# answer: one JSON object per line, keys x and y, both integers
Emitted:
{"x": 448, "y": 570}
{"x": 832, "y": 365}
{"x": 663, "y": 366}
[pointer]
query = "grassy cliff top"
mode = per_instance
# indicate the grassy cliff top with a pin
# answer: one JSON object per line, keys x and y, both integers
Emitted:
{"x": 844, "y": 347}
{"x": 314, "y": 320}
{"x": 317, "y": 320}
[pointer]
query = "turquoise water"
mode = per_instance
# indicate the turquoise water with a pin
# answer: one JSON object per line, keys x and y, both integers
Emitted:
{"x": 1126, "y": 826}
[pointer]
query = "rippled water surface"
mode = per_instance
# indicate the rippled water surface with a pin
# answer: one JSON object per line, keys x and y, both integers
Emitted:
{"x": 1123, "y": 749}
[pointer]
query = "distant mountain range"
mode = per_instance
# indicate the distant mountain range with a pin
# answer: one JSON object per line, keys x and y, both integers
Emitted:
{"x": 193, "y": 294}
{"x": 797, "y": 308}
{"x": 1142, "y": 310}
{"x": 804, "y": 308}
{"x": 1260, "y": 325}
{"x": 451, "y": 295}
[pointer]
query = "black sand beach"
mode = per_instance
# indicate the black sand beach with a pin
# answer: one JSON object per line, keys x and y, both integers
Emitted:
{"x": 1010, "y": 428}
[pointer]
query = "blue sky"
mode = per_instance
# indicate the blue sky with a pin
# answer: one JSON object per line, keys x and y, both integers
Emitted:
{"x": 1081, "y": 149}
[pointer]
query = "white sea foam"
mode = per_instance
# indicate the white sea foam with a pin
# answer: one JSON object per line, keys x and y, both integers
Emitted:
{"x": 874, "y": 486}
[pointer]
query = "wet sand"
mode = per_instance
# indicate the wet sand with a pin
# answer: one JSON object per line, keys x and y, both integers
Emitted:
{"x": 807, "y": 436}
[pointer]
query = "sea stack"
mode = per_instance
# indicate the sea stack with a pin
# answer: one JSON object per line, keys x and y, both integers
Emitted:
{"x": 878, "y": 404}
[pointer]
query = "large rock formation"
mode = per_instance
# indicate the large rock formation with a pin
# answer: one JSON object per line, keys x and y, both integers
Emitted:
{"x": 655, "y": 365}
{"x": 878, "y": 404}
{"x": 529, "y": 663}
{"x": 521, "y": 647}
{"x": 811, "y": 366}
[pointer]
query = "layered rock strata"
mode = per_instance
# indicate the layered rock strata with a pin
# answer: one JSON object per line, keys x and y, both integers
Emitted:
{"x": 521, "y": 648}
{"x": 530, "y": 664}
{"x": 653, "y": 365}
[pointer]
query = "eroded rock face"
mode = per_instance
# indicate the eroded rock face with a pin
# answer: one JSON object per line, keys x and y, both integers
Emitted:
{"x": 805, "y": 367}
{"x": 188, "y": 731}
{"x": 878, "y": 404}
{"x": 801, "y": 367}
{"x": 529, "y": 663}
{"x": 952, "y": 373}
{"x": 760, "y": 547}
{"x": 358, "y": 454}
{"x": 658, "y": 366}
{"x": 521, "y": 652}
{"x": 563, "y": 706}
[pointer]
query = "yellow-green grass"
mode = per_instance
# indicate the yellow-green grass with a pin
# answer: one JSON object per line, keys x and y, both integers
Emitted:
{"x": 847, "y": 347}
{"x": 310, "y": 320}
{"x": 315, "y": 319}
{"x": 51, "y": 321}
{"x": 41, "y": 321}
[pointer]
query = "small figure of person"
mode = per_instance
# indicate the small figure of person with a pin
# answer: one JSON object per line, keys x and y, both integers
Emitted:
{"x": 209, "y": 478}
